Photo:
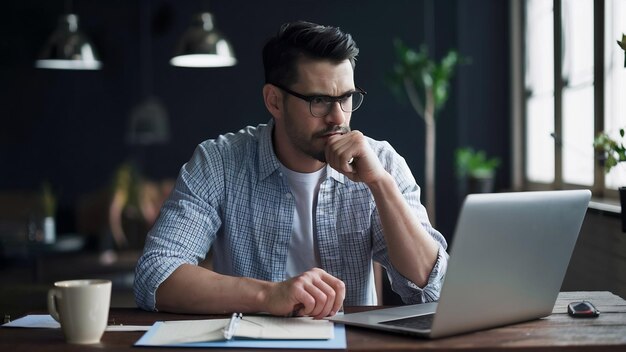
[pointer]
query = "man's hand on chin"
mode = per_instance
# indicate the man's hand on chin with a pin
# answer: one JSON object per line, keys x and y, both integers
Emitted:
{"x": 351, "y": 155}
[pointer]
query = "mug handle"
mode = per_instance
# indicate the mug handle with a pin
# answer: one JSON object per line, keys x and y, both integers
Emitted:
{"x": 52, "y": 303}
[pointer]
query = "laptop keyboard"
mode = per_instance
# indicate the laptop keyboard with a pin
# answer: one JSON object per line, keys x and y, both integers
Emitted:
{"x": 422, "y": 322}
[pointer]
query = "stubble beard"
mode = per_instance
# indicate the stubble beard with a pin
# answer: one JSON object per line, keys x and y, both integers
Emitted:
{"x": 306, "y": 144}
{"x": 321, "y": 155}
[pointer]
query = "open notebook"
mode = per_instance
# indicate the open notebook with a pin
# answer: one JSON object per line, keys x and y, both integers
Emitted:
{"x": 250, "y": 327}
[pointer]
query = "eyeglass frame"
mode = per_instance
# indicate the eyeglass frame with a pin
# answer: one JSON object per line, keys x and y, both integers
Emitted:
{"x": 309, "y": 98}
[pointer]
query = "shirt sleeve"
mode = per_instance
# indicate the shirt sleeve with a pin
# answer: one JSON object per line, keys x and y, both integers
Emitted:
{"x": 410, "y": 292}
{"x": 186, "y": 227}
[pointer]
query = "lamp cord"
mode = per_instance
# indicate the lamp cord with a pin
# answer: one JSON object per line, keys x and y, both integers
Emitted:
{"x": 145, "y": 48}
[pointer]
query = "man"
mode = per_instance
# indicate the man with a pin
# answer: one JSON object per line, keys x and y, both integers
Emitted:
{"x": 294, "y": 210}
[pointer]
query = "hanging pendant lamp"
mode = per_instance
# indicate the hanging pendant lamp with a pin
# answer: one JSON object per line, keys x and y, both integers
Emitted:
{"x": 68, "y": 48}
{"x": 203, "y": 46}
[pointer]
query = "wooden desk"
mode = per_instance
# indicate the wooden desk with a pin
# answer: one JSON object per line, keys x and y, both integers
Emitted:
{"x": 556, "y": 332}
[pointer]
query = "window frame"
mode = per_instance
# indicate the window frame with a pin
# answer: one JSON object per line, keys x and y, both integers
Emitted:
{"x": 519, "y": 100}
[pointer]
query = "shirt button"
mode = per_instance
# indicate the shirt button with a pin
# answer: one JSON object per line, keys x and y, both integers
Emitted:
{"x": 288, "y": 195}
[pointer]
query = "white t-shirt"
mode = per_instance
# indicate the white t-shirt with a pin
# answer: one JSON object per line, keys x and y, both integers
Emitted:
{"x": 303, "y": 253}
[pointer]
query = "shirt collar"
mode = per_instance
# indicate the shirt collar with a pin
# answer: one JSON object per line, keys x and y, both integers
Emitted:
{"x": 269, "y": 163}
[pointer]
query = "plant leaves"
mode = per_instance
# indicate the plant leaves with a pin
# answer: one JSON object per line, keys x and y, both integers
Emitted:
{"x": 424, "y": 73}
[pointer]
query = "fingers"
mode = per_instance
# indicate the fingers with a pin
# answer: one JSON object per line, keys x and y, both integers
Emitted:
{"x": 343, "y": 150}
{"x": 340, "y": 292}
{"x": 313, "y": 293}
{"x": 353, "y": 146}
{"x": 340, "y": 289}
{"x": 319, "y": 293}
{"x": 317, "y": 301}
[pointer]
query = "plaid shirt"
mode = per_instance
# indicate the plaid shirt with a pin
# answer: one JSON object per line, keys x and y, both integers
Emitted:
{"x": 232, "y": 197}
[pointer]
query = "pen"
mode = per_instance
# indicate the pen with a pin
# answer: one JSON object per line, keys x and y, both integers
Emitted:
{"x": 230, "y": 330}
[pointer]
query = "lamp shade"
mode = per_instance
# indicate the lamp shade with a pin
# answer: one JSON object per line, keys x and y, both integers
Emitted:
{"x": 203, "y": 46}
{"x": 68, "y": 48}
{"x": 149, "y": 123}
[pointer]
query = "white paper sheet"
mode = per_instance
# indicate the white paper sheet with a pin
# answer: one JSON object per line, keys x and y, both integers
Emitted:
{"x": 45, "y": 321}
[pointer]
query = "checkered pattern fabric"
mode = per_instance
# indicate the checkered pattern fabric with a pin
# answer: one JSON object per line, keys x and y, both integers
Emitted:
{"x": 232, "y": 197}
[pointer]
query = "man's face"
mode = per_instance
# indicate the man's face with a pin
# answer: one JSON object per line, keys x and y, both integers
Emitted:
{"x": 305, "y": 134}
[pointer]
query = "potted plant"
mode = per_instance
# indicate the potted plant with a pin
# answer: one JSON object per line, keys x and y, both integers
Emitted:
{"x": 612, "y": 152}
{"x": 476, "y": 171}
{"x": 426, "y": 82}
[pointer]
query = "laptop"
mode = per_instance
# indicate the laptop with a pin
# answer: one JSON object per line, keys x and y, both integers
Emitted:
{"x": 507, "y": 263}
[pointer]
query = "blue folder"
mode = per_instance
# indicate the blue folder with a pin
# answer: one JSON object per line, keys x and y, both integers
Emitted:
{"x": 337, "y": 342}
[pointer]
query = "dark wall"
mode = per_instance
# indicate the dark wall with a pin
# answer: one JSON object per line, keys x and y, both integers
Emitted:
{"x": 598, "y": 261}
{"x": 70, "y": 127}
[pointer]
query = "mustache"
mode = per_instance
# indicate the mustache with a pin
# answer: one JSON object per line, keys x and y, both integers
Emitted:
{"x": 331, "y": 130}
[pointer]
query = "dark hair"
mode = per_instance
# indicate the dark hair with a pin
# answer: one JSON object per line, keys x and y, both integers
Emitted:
{"x": 300, "y": 39}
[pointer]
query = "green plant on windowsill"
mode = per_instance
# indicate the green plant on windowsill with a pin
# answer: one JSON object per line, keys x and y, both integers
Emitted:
{"x": 612, "y": 151}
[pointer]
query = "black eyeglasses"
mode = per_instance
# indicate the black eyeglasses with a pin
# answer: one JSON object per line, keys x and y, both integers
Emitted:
{"x": 322, "y": 105}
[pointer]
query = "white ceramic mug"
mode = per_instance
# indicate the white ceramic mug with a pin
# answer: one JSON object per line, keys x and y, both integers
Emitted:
{"x": 82, "y": 308}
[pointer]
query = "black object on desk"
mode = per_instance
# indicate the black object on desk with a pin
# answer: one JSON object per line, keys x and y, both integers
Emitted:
{"x": 582, "y": 309}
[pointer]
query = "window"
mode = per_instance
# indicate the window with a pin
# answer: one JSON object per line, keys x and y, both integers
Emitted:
{"x": 539, "y": 87}
{"x": 614, "y": 81}
{"x": 574, "y": 82}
